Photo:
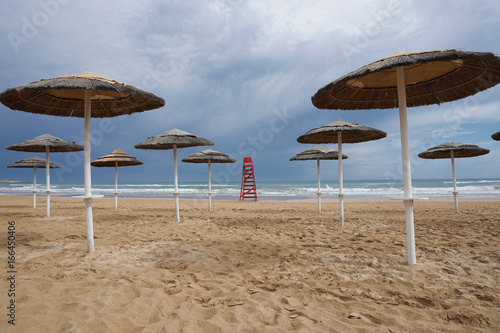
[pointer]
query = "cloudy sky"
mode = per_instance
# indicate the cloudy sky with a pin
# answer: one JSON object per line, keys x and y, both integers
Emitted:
{"x": 241, "y": 74}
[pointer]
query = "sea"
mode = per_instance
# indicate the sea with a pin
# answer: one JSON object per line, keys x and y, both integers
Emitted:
{"x": 274, "y": 190}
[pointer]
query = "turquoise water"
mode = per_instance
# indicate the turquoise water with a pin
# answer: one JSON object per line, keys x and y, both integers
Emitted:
{"x": 283, "y": 190}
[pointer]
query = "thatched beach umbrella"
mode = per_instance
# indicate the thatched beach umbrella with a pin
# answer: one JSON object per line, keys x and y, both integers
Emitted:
{"x": 33, "y": 162}
{"x": 46, "y": 143}
{"x": 411, "y": 79}
{"x": 340, "y": 132}
{"x": 318, "y": 153}
{"x": 209, "y": 156}
{"x": 496, "y": 136}
{"x": 453, "y": 150}
{"x": 173, "y": 139}
{"x": 118, "y": 158}
{"x": 82, "y": 95}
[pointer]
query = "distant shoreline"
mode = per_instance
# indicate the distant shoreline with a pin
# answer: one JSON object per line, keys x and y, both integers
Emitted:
{"x": 480, "y": 188}
{"x": 11, "y": 181}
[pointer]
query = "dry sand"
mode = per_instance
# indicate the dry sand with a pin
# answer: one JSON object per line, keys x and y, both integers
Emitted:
{"x": 266, "y": 266}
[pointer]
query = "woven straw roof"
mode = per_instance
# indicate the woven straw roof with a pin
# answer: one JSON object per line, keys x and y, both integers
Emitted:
{"x": 33, "y": 162}
{"x": 208, "y": 155}
{"x": 459, "y": 150}
{"x": 496, "y": 136}
{"x": 64, "y": 96}
{"x": 117, "y": 156}
{"x": 38, "y": 145}
{"x": 351, "y": 133}
{"x": 318, "y": 153}
{"x": 172, "y": 137}
{"x": 431, "y": 77}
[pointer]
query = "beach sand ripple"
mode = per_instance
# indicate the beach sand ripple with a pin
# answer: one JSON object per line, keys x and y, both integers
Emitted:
{"x": 267, "y": 266}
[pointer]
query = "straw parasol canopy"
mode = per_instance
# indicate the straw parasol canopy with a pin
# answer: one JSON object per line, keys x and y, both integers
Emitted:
{"x": 173, "y": 139}
{"x": 496, "y": 136}
{"x": 431, "y": 77}
{"x": 351, "y": 133}
{"x": 40, "y": 144}
{"x": 453, "y": 150}
{"x": 84, "y": 95}
{"x": 118, "y": 158}
{"x": 65, "y": 96}
{"x": 318, "y": 153}
{"x": 209, "y": 156}
{"x": 458, "y": 149}
{"x": 46, "y": 143}
{"x": 340, "y": 132}
{"x": 33, "y": 162}
{"x": 413, "y": 79}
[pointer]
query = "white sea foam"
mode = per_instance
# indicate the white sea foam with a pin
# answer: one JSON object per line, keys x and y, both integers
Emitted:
{"x": 286, "y": 190}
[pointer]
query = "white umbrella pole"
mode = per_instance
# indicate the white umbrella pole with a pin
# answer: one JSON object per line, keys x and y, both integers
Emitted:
{"x": 405, "y": 152}
{"x": 176, "y": 193}
{"x": 454, "y": 180}
{"x": 34, "y": 187}
{"x": 209, "y": 187}
{"x": 319, "y": 192}
{"x": 47, "y": 175}
{"x": 341, "y": 179}
{"x": 116, "y": 185}
{"x": 86, "y": 169}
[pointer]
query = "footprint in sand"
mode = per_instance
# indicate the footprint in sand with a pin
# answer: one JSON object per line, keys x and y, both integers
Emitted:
{"x": 365, "y": 317}
{"x": 425, "y": 302}
{"x": 73, "y": 237}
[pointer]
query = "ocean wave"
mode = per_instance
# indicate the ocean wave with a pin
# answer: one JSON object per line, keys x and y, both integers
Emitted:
{"x": 352, "y": 189}
{"x": 490, "y": 181}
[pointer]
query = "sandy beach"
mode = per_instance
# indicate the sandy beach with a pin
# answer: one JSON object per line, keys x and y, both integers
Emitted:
{"x": 266, "y": 266}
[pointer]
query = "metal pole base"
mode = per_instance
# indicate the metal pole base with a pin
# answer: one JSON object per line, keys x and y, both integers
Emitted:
{"x": 209, "y": 202}
{"x": 410, "y": 232}
{"x": 319, "y": 202}
{"x": 48, "y": 202}
{"x": 177, "y": 215}
{"x": 341, "y": 208}
{"x": 456, "y": 201}
{"x": 90, "y": 226}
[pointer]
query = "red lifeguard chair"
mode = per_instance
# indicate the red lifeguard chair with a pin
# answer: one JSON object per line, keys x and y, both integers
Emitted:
{"x": 248, "y": 188}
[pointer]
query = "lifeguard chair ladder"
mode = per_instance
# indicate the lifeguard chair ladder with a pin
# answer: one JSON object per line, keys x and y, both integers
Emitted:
{"x": 248, "y": 188}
